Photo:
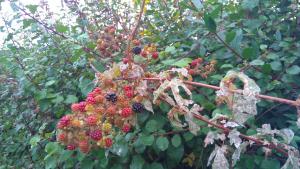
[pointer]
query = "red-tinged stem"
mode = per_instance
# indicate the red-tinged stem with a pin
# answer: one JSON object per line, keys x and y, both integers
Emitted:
{"x": 257, "y": 141}
{"x": 276, "y": 99}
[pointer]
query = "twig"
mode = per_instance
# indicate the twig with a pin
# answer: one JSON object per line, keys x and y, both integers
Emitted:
{"x": 276, "y": 99}
{"x": 133, "y": 33}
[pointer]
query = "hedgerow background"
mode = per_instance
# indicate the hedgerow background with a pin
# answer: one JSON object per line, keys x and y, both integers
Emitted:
{"x": 45, "y": 66}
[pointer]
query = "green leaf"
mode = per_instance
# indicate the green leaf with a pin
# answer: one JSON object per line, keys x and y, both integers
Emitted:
{"x": 230, "y": 36}
{"x": 162, "y": 143}
{"x": 147, "y": 140}
{"x": 248, "y": 53}
{"x": 294, "y": 70}
{"x": 137, "y": 162}
{"x": 198, "y": 4}
{"x": 51, "y": 148}
{"x": 27, "y": 23}
{"x": 176, "y": 140}
{"x": 210, "y": 23}
{"x": 170, "y": 49}
{"x": 151, "y": 126}
{"x": 155, "y": 166}
{"x": 32, "y": 8}
{"x": 183, "y": 62}
{"x": 71, "y": 99}
{"x": 188, "y": 136}
{"x": 34, "y": 140}
{"x": 250, "y": 4}
{"x": 85, "y": 85}
{"x": 61, "y": 28}
{"x": 49, "y": 83}
{"x": 257, "y": 62}
{"x": 276, "y": 65}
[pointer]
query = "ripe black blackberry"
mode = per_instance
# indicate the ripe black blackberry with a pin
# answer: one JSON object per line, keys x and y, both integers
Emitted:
{"x": 137, "y": 107}
{"x": 137, "y": 50}
{"x": 112, "y": 97}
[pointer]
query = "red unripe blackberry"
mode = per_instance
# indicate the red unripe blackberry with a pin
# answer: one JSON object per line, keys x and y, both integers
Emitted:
{"x": 64, "y": 122}
{"x": 127, "y": 88}
{"x": 75, "y": 107}
{"x": 126, "y": 112}
{"x": 108, "y": 142}
{"x": 61, "y": 137}
{"x": 126, "y": 128}
{"x": 96, "y": 135}
{"x": 71, "y": 147}
{"x": 144, "y": 54}
{"x": 125, "y": 60}
{"x": 84, "y": 146}
{"x": 91, "y": 94}
{"x": 191, "y": 71}
{"x": 112, "y": 110}
{"x": 129, "y": 93}
{"x": 91, "y": 100}
{"x": 194, "y": 63}
{"x": 97, "y": 90}
{"x": 155, "y": 55}
{"x": 99, "y": 99}
{"x": 82, "y": 106}
{"x": 91, "y": 120}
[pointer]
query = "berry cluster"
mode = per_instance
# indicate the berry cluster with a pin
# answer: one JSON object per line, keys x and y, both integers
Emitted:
{"x": 109, "y": 41}
{"x": 199, "y": 67}
{"x": 107, "y": 110}
{"x": 150, "y": 50}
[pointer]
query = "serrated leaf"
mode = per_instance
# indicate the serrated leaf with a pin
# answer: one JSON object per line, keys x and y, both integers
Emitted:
{"x": 176, "y": 140}
{"x": 210, "y": 23}
{"x": 162, "y": 143}
{"x": 294, "y": 70}
{"x": 183, "y": 62}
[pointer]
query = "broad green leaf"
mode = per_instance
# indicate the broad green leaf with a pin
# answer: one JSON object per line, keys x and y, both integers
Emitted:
{"x": 210, "y": 23}
{"x": 176, "y": 140}
{"x": 162, "y": 143}
{"x": 151, "y": 126}
{"x": 198, "y": 4}
{"x": 276, "y": 65}
{"x": 137, "y": 162}
{"x": 32, "y": 8}
{"x": 183, "y": 62}
{"x": 294, "y": 70}
{"x": 257, "y": 62}
{"x": 61, "y": 28}
{"x": 147, "y": 140}
{"x": 248, "y": 53}
{"x": 230, "y": 36}
{"x": 71, "y": 99}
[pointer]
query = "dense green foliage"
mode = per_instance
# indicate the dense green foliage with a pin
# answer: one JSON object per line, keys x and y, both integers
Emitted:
{"x": 45, "y": 67}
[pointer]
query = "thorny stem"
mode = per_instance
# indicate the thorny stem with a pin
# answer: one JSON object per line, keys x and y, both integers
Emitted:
{"x": 227, "y": 131}
{"x": 276, "y": 99}
{"x": 133, "y": 33}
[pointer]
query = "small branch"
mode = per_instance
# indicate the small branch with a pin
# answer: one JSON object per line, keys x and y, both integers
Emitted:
{"x": 228, "y": 46}
{"x": 133, "y": 33}
{"x": 266, "y": 97}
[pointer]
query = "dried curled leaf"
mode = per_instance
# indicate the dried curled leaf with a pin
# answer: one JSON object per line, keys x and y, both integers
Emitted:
{"x": 220, "y": 160}
{"x": 234, "y": 138}
{"x": 243, "y": 105}
{"x": 293, "y": 161}
{"x": 237, "y": 153}
{"x": 181, "y": 103}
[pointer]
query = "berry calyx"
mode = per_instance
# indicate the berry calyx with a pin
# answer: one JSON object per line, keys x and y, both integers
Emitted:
{"x": 155, "y": 55}
{"x": 96, "y": 134}
{"x": 126, "y": 112}
{"x": 108, "y": 142}
{"x": 91, "y": 120}
{"x": 126, "y": 128}
{"x": 99, "y": 99}
{"x": 137, "y": 107}
{"x": 136, "y": 42}
{"x": 71, "y": 147}
{"x": 137, "y": 50}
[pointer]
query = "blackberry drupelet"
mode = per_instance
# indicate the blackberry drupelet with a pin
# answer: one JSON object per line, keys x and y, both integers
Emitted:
{"x": 137, "y": 107}
{"x": 111, "y": 97}
{"x": 137, "y": 50}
